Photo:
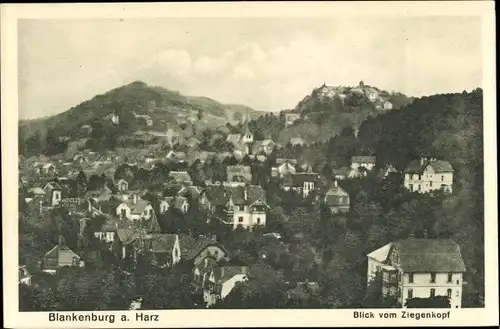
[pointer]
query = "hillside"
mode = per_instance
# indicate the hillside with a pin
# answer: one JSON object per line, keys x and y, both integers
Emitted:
{"x": 162, "y": 105}
{"x": 329, "y": 109}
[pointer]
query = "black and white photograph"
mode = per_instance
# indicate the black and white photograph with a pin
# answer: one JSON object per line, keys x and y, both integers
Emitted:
{"x": 250, "y": 163}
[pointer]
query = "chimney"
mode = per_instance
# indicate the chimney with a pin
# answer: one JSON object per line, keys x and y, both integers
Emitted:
{"x": 214, "y": 237}
{"x": 61, "y": 241}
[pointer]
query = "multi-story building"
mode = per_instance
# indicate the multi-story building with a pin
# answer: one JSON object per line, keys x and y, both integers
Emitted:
{"x": 426, "y": 175}
{"x": 422, "y": 268}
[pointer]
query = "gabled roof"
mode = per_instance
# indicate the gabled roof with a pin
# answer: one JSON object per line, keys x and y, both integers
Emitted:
{"x": 191, "y": 247}
{"x": 253, "y": 193}
{"x": 127, "y": 235}
{"x": 217, "y": 195}
{"x": 225, "y": 273}
{"x": 180, "y": 176}
{"x": 363, "y": 159}
{"x": 163, "y": 242}
{"x": 424, "y": 255}
{"x": 37, "y": 191}
{"x": 176, "y": 202}
{"x": 336, "y": 196}
{"x": 439, "y": 166}
{"x": 138, "y": 207}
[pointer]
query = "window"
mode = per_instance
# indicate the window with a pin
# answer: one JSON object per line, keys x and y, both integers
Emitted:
{"x": 240, "y": 219}
{"x": 419, "y": 187}
{"x": 448, "y": 293}
{"x": 458, "y": 293}
{"x": 241, "y": 207}
{"x": 411, "y": 187}
{"x": 410, "y": 293}
{"x": 410, "y": 277}
{"x": 258, "y": 220}
{"x": 450, "y": 277}
{"x": 433, "y": 277}
{"x": 430, "y": 183}
{"x": 458, "y": 281}
{"x": 442, "y": 178}
{"x": 433, "y": 293}
{"x": 124, "y": 212}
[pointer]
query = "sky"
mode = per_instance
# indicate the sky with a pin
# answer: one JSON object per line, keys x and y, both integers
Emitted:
{"x": 269, "y": 64}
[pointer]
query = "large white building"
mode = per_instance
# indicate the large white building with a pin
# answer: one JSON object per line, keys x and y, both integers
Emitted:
{"x": 426, "y": 175}
{"x": 420, "y": 268}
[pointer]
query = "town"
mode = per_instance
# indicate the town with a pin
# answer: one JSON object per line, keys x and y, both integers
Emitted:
{"x": 233, "y": 217}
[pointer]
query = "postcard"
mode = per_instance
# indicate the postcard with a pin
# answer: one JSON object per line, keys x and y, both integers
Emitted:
{"x": 249, "y": 164}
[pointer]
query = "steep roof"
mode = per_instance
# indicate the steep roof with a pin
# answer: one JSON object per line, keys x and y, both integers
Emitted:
{"x": 418, "y": 166}
{"x": 192, "y": 190}
{"x": 37, "y": 190}
{"x": 138, "y": 207}
{"x": 336, "y": 196}
{"x": 363, "y": 159}
{"x": 127, "y": 235}
{"x": 176, "y": 202}
{"x": 191, "y": 247}
{"x": 217, "y": 195}
{"x": 163, "y": 242}
{"x": 253, "y": 194}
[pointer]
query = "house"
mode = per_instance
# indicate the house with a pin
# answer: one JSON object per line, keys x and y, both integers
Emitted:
{"x": 60, "y": 256}
{"x": 196, "y": 250}
{"x": 122, "y": 185}
{"x": 165, "y": 249}
{"x": 290, "y": 118}
{"x": 107, "y": 233}
{"x": 388, "y": 106}
{"x": 265, "y": 146}
{"x": 246, "y": 137}
{"x": 240, "y": 149}
{"x": 24, "y": 276}
{"x": 53, "y": 192}
{"x": 426, "y": 175}
{"x": 362, "y": 161}
{"x": 385, "y": 171}
{"x": 422, "y": 268}
{"x": 177, "y": 202}
{"x": 239, "y": 174}
{"x": 302, "y": 183}
{"x": 135, "y": 209}
{"x": 221, "y": 281}
{"x": 336, "y": 199}
{"x": 247, "y": 206}
{"x": 283, "y": 168}
{"x": 47, "y": 169}
{"x": 189, "y": 192}
{"x": 341, "y": 173}
{"x": 297, "y": 141}
{"x": 180, "y": 177}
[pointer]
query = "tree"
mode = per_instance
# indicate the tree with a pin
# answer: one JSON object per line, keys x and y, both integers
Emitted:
{"x": 81, "y": 183}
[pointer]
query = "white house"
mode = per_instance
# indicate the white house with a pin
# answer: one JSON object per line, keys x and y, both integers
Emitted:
{"x": 54, "y": 193}
{"x": 122, "y": 185}
{"x": 426, "y": 175}
{"x": 283, "y": 167}
{"x": 24, "y": 276}
{"x": 247, "y": 206}
{"x": 135, "y": 209}
{"x": 420, "y": 268}
{"x": 302, "y": 183}
{"x": 221, "y": 281}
